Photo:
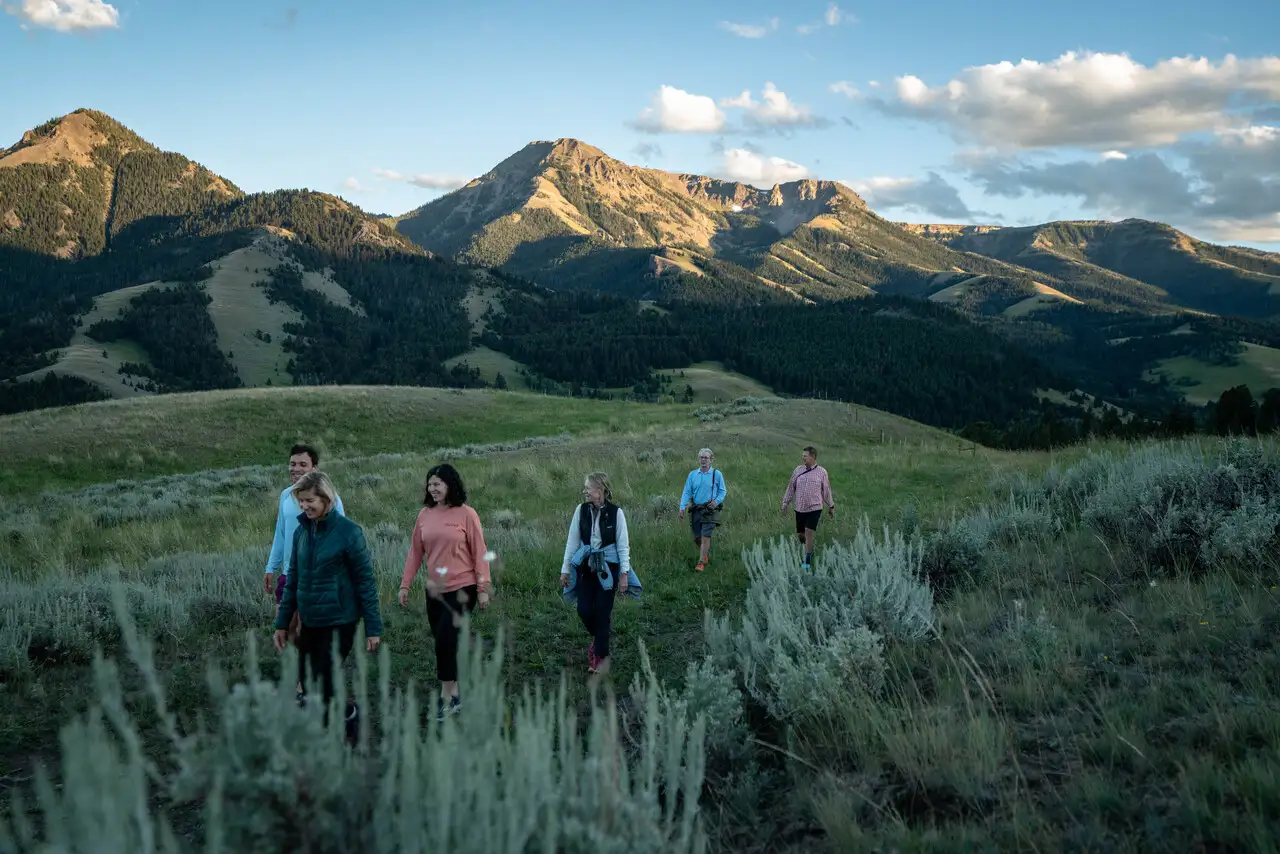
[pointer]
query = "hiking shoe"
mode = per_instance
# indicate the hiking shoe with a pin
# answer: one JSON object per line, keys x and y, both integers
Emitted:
{"x": 353, "y": 724}
{"x": 455, "y": 704}
{"x": 302, "y": 699}
{"x": 700, "y": 566}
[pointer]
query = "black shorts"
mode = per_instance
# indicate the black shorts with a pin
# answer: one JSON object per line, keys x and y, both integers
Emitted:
{"x": 808, "y": 519}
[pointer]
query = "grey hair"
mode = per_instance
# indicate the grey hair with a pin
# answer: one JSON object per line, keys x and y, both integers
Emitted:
{"x": 710, "y": 453}
{"x": 600, "y": 479}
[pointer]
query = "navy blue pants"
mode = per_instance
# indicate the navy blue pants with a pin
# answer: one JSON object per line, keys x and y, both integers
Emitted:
{"x": 595, "y": 608}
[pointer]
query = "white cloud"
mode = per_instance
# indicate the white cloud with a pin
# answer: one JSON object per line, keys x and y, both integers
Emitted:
{"x": 353, "y": 185}
{"x": 677, "y": 111}
{"x": 844, "y": 87}
{"x": 750, "y": 31}
{"x": 1092, "y": 100}
{"x": 833, "y": 17}
{"x": 1114, "y": 155}
{"x": 773, "y": 110}
{"x": 933, "y": 196}
{"x": 67, "y": 16}
{"x": 758, "y": 170}
{"x": 739, "y": 102}
{"x": 426, "y": 181}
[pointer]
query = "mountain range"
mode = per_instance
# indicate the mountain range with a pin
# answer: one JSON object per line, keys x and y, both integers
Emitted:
{"x": 134, "y": 270}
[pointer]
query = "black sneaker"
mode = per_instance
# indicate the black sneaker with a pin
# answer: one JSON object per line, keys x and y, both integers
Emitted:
{"x": 353, "y": 724}
{"x": 455, "y": 703}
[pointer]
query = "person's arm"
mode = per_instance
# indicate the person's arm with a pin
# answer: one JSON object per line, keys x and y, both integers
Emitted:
{"x": 719, "y": 488}
{"x": 572, "y": 542}
{"x": 278, "y": 545}
{"x": 623, "y": 544}
{"x": 413, "y": 562}
{"x": 687, "y": 495}
{"x": 827, "y": 496}
{"x": 479, "y": 551}
{"x": 289, "y": 600}
{"x": 361, "y": 564}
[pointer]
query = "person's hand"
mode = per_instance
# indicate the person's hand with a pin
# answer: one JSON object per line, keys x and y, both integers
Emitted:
{"x": 269, "y": 583}
{"x": 682, "y": 513}
{"x": 622, "y": 582}
{"x": 831, "y": 512}
{"x": 403, "y": 597}
{"x": 482, "y": 599}
{"x": 711, "y": 505}
{"x": 564, "y": 579}
{"x": 371, "y": 643}
{"x": 784, "y": 512}
{"x": 281, "y": 639}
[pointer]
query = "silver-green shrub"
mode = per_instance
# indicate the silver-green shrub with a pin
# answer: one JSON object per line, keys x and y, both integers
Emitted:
{"x": 63, "y": 617}
{"x": 504, "y": 775}
{"x": 808, "y": 638}
{"x": 1191, "y": 505}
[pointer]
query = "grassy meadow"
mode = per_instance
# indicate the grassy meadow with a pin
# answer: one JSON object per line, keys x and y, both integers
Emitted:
{"x": 1258, "y": 368}
{"x": 1069, "y": 651}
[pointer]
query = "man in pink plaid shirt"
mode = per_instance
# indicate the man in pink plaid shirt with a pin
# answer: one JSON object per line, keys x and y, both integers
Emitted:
{"x": 809, "y": 488}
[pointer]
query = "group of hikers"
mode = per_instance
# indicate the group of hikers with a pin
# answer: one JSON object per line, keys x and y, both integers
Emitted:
{"x": 321, "y": 572}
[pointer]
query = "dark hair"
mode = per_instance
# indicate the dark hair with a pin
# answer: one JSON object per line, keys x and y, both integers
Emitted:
{"x": 811, "y": 451}
{"x": 308, "y": 450}
{"x": 457, "y": 494}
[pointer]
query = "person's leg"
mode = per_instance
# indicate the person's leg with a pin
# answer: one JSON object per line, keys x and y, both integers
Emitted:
{"x": 295, "y": 625}
{"x": 447, "y": 626}
{"x": 810, "y": 534}
{"x": 302, "y": 644}
{"x": 346, "y": 637}
{"x": 439, "y": 617}
{"x": 588, "y": 590}
{"x": 316, "y": 649}
{"x": 602, "y": 621}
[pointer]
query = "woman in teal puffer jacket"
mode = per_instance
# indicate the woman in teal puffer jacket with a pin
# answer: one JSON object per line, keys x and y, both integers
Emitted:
{"x": 331, "y": 587}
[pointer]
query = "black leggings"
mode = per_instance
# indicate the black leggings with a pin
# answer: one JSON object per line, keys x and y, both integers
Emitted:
{"x": 445, "y": 616}
{"x": 315, "y": 650}
{"x": 595, "y": 607}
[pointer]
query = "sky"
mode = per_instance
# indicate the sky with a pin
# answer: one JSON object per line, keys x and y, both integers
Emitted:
{"x": 985, "y": 112}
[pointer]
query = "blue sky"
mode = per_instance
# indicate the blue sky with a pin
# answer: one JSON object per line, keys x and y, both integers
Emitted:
{"x": 390, "y": 104}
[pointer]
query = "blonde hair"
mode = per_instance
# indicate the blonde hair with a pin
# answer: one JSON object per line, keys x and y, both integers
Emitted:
{"x": 319, "y": 483}
{"x": 600, "y": 479}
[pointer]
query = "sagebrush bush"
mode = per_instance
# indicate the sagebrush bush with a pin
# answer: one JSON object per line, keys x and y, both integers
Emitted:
{"x": 806, "y": 639}
{"x": 710, "y": 691}
{"x": 502, "y": 776}
{"x": 1190, "y": 506}
{"x": 60, "y": 618}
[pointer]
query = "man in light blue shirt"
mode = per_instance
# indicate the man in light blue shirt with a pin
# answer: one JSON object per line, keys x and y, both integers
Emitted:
{"x": 703, "y": 496}
{"x": 302, "y": 459}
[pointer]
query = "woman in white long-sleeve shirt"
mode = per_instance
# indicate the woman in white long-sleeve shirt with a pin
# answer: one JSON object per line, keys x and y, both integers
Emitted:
{"x": 597, "y": 565}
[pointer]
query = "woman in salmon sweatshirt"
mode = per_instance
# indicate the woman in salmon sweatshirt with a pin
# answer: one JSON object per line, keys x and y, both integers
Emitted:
{"x": 449, "y": 536}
